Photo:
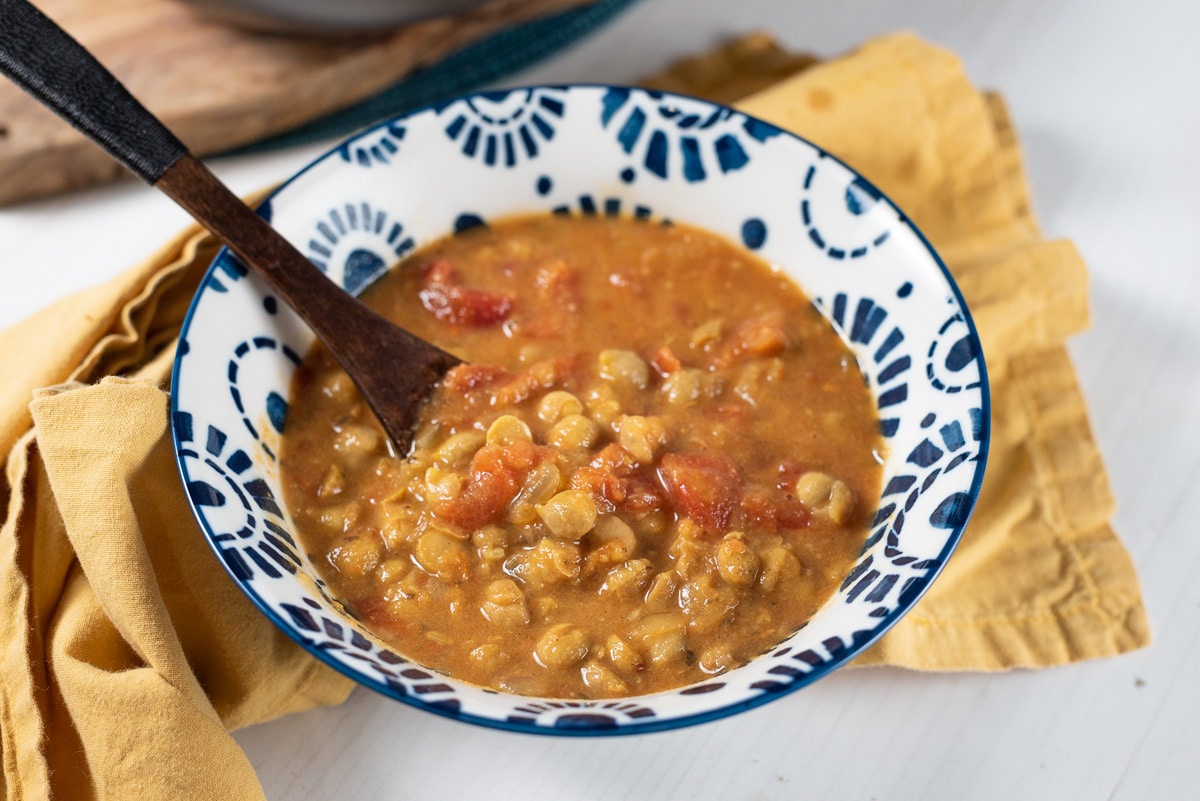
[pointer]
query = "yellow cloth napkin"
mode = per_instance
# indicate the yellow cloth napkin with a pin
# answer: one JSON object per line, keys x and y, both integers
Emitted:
{"x": 126, "y": 652}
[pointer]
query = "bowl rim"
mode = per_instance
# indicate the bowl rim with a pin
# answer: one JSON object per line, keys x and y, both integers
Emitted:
{"x": 652, "y": 725}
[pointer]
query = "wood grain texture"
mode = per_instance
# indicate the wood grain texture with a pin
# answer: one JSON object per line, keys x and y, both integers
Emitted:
{"x": 219, "y": 87}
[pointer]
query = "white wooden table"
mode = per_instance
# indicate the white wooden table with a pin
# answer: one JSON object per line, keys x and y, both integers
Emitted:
{"x": 1106, "y": 97}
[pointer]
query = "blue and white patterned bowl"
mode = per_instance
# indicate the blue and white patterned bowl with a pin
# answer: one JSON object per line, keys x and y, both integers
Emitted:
{"x": 591, "y": 150}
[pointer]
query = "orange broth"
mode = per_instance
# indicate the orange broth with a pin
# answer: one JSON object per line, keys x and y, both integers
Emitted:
{"x": 658, "y": 461}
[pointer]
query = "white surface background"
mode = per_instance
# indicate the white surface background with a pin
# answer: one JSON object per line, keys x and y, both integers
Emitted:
{"x": 1106, "y": 98}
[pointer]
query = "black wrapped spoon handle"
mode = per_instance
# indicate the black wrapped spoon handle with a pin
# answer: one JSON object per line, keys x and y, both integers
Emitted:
{"x": 44, "y": 60}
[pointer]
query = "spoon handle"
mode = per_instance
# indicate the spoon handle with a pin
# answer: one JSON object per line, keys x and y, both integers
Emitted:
{"x": 394, "y": 369}
{"x": 43, "y": 59}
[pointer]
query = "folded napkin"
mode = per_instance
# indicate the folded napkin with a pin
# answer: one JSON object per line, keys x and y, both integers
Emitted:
{"x": 127, "y": 654}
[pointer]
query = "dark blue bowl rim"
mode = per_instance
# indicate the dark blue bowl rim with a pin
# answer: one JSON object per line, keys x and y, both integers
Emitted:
{"x": 640, "y": 727}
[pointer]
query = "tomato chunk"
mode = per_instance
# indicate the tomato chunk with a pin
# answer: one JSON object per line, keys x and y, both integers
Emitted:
{"x": 502, "y": 387}
{"x": 758, "y": 337}
{"x": 464, "y": 378}
{"x": 705, "y": 487}
{"x": 496, "y": 474}
{"x": 763, "y": 512}
{"x": 615, "y": 481}
{"x": 665, "y": 361}
{"x": 446, "y": 299}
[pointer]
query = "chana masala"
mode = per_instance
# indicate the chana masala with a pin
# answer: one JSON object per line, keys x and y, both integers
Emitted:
{"x": 658, "y": 461}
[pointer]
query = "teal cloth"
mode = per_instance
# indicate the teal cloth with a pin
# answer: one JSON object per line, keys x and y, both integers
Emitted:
{"x": 471, "y": 68}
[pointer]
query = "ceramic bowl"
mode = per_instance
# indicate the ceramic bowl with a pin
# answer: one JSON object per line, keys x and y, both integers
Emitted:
{"x": 591, "y": 150}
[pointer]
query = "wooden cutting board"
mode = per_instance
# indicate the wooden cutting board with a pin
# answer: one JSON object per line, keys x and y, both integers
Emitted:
{"x": 218, "y": 87}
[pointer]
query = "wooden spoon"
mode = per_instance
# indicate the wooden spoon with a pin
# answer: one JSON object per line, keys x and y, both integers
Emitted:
{"x": 394, "y": 370}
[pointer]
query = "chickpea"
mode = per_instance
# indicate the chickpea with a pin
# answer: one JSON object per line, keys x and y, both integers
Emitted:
{"x": 707, "y": 333}
{"x": 403, "y": 607}
{"x": 706, "y": 602}
{"x": 688, "y": 529}
{"x": 389, "y": 469}
{"x": 423, "y": 439}
{"x": 507, "y": 429}
{"x": 778, "y": 564}
{"x": 408, "y": 582}
{"x": 628, "y": 577}
{"x": 737, "y": 563}
{"x": 623, "y": 656}
{"x": 603, "y": 406}
{"x": 643, "y": 437}
{"x": 504, "y": 592}
{"x": 610, "y": 528}
{"x": 442, "y": 485}
{"x": 663, "y": 637}
{"x": 490, "y": 543}
{"x": 518, "y": 249}
{"x": 544, "y": 372}
{"x": 603, "y": 680}
{"x": 689, "y": 549}
{"x": 412, "y": 471}
{"x": 544, "y": 607}
{"x": 662, "y": 591}
{"x": 716, "y": 659}
{"x": 606, "y": 553}
{"x": 392, "y": 569}
{"x": 487, "y": 656}
{"x": 340, "y": 518}
{"x": 570, "y": 514}
{"x": 683, "y": 386}
{"x": 562, "y": 646}
{"x": 654, "y": 522}
{"x": 411, "y": 586}
{"x": 355, "y": 442}
{"x": 398, "y": 494}
{"x": 826, "y": 496}
{"x": 333, "y": 483}
{"x": 504, "y": 604}
{"x": 574, "y": 432}
{"x": 338, "y": 386}
{"x": 459, "y": 447}
{"x": 556, "y": 405}
{"x": 443, "y": 555}
{"x": 357, "y": 555}
{"x": 551, "y": 561}
{"x": 624, "y": 368}
{"x": 754, "y": 378}
{"x": 612, "y": 541}
{"x": 397, "y": 523}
